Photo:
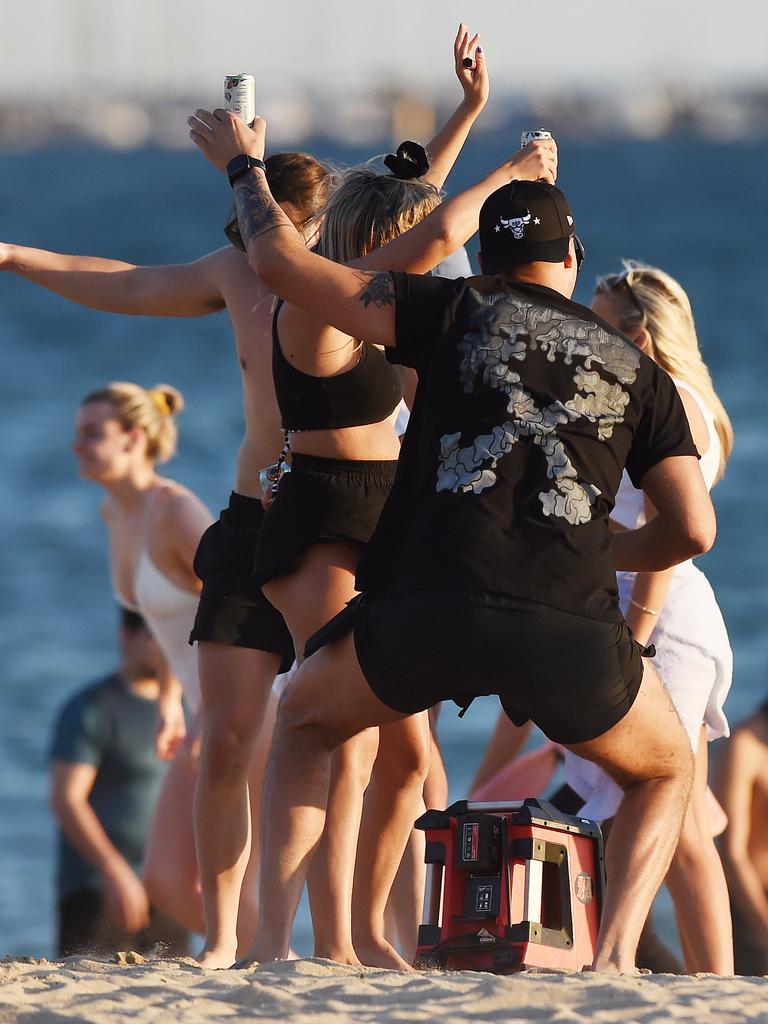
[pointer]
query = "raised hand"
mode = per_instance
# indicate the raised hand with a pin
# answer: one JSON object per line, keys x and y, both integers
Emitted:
{"x": 474, "y": 77}
{"x": 536, "y": 162}
{"x": 221, "y": 136}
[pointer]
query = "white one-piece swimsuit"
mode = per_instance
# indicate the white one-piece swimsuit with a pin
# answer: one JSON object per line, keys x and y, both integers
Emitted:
{"x": 170, "y": 613}
{"x": 693, "y": 653}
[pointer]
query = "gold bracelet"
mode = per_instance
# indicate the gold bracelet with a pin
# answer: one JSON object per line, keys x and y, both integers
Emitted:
{"x": 648, "y": 611}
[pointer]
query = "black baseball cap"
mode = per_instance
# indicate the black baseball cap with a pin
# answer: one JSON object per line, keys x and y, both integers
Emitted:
{"x": 526, "y": 221}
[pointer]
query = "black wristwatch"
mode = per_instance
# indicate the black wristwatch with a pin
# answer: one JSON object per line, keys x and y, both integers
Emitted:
{"x": 242, "y": 163}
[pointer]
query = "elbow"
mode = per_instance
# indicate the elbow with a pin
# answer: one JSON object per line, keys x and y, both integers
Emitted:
{"x": 701, "y": 535}
{"x": 267, "y": 267}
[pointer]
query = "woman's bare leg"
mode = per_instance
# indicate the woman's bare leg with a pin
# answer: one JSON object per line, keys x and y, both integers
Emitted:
{"x": 392, "y": 804}
{"x": 648, "y": 754}
{"x": 406, "y": 899}
{"x": 308, "y": 598}
{"x": 236, "y": 683}
{"x": 696, "y": 882}
{"x": 170, "y": 864}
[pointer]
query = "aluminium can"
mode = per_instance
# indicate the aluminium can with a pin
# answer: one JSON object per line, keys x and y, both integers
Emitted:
{"x": 534, "y": 133}
{"x": 240, "y": 96}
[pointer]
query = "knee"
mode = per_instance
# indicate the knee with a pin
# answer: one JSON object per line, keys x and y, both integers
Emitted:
{"x": 227, "y": 751}
{"x": 405, "y": 763}
{"x": 301, "y": 722}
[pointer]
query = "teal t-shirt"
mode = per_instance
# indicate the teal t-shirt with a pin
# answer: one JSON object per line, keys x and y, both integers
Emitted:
{"x": 111, "y": 728}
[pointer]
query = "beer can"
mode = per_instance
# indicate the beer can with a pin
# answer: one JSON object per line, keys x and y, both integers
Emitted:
{"x": 240, "y": 96}
{"x": 534, "y": 133}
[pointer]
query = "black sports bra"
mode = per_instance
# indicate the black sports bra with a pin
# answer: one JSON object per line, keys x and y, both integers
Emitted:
{"x": 367, "y": 393}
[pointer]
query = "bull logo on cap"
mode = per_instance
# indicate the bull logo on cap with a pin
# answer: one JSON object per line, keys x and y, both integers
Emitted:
{"x": 516, "y": 225}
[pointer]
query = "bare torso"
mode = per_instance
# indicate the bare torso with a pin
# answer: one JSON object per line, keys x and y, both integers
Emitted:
{"x": 249, "y": 307}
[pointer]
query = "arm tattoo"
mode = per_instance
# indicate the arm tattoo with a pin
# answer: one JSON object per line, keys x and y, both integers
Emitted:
{"x": 377, "y": 290}
{"x": 257, "y": 211}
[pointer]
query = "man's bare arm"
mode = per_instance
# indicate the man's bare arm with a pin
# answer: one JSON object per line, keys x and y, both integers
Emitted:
{"x": 362, "y": 305}
{"x": 185, "y": 289}
{"x": 685, "y": 523}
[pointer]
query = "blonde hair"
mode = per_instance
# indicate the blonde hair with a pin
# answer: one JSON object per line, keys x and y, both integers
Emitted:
{"x": 151, "y": 409}
{"x": 647, "y": 297}
{"x": 367, "y": 209}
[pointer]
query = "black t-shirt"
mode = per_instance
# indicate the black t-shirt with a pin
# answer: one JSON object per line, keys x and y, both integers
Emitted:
{"x": 528, "y": 408}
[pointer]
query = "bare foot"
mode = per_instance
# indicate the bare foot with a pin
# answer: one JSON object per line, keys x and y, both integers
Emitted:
{"x": 339, "y": 955}
{"x": 217, "y": 959}
{"x": 610, "y": 965}
{"x": 375, "y": 952}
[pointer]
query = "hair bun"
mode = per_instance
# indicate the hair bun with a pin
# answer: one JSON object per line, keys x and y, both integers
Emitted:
{"x": 168, "y": 399}
{"x": 410, "y": 161}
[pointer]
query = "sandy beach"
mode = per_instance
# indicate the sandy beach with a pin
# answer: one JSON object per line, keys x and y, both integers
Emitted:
{"x": 154, "y": 991}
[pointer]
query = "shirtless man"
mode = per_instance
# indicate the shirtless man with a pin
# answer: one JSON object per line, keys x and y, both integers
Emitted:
{"x": 741, "y": 786}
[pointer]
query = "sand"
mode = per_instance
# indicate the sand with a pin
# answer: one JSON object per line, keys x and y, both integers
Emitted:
{"x": 155, "y": 991}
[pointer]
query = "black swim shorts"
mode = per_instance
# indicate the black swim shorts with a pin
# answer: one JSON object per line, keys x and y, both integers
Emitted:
{"x": 574, "y": 677}
{"x": 320, "y": 501}
{"x": 233, "y": 611}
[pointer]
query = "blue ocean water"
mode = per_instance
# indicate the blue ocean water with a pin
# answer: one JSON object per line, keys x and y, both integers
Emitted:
{"x": 691, "y": 207}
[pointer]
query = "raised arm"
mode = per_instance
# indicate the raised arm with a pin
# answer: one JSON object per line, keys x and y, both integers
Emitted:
{"x": 445, "y": 147}
{"x": 684, "y": 525}
{"x": 360, "y": 304}
{"x": 454, "y": 222}
{"x": 186, "y": 289}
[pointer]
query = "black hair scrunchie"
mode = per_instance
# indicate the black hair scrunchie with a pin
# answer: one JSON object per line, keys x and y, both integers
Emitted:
{"x": 410, "y": 162}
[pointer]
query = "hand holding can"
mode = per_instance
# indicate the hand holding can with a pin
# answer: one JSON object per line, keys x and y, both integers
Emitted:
{"x": 240, "y": 96}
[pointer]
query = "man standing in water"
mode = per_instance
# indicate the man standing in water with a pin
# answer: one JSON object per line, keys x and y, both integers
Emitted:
{"x": 496, "y": 531}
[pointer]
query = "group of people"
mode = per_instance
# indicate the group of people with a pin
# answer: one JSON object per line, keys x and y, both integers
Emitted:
{"x": 548, "y": 446}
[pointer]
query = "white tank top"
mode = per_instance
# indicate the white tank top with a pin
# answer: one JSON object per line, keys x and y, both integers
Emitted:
{"x": 629, "y": 509}
{"x": 170, "y": 613}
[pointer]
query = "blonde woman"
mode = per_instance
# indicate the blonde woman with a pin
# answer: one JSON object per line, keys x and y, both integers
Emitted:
{"x": 675, "y": 610}
{"x": 122, "y": 433}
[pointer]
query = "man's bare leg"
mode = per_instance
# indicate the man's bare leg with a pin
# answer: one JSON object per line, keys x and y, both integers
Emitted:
{"x": 236, "y": 683}
{"x": 649, "y": 755}
{"x": 392, "y": 804}
{"x": 327, "y": 701}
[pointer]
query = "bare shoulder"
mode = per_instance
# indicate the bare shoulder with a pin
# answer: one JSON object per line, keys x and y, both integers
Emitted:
{"x": 107, "y": 512}
{"x": 175, "y": 505}
{"x": 696, "y": 421}
{"x": 749, "y": 739}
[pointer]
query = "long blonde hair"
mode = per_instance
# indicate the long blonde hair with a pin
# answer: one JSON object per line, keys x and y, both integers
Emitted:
{"x": 151, "y": 409}
{"x": 368, "y": 208}
{"x": 647, "y": 297}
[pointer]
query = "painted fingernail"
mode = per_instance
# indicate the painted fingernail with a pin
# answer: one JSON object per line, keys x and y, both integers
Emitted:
{"x": 479, "y": 49}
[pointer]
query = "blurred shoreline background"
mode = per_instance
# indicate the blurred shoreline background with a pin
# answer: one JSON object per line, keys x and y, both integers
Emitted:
{"x": 660, "y": 113}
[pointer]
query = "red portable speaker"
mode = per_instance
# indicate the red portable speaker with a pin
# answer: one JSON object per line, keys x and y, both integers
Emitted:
{"x": 509, "y": 886}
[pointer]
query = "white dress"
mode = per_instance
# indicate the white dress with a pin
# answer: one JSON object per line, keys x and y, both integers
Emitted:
{"x": 693, "y": 653}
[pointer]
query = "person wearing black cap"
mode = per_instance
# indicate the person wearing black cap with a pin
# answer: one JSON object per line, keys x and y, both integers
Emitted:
{"x": 492, "y": 567}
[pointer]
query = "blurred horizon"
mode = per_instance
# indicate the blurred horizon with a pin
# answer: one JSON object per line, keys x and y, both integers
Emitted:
{"x": 124, "y": 73}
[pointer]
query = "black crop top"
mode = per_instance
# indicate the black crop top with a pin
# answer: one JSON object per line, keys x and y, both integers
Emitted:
{"x": 367, "y": 393}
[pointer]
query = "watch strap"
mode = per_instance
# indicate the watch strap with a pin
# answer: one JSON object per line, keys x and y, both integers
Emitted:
{"x": 241, "y": 164}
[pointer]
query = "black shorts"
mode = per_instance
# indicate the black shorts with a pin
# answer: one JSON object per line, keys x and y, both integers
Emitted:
{"x": 233, "y": 611}
{"x": 320, "y": 501}
{"x": 574, "y": 677}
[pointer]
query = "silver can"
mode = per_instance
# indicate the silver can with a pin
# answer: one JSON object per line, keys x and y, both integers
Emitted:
{"x": 534, "y": 133}
{"x": 240, "y": 96}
